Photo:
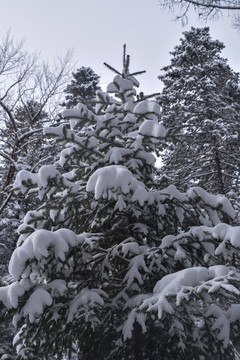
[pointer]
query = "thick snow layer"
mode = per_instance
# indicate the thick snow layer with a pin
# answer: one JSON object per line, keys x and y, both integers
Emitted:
{"x": 23, "y": 178}
{"x": 80, "y": 111}
{"x": 36, "y": 302}
{"x": 9, "y": 294}
{"x": 120, "y": 84}
{"x": 115, "y": 178}
{"x": 174, "y": 283}
{"x": 145, "y": 107}
{"x": 38, "y": 245}
{"x": 151, "y": 128}
{"x": 46, "y": 174}
{"x": 212, "y": 200}
{"x": 233, "y": 313}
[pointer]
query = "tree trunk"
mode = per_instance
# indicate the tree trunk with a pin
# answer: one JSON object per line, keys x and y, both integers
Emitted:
{"x": 137, "y": 338}
{"x": 220, "y": 182}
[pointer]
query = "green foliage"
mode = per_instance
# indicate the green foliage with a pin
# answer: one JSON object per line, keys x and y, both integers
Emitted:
{"x": 200, "y": 107}
{"x": 83, "y": 87}
{"x": 111, "y": 266}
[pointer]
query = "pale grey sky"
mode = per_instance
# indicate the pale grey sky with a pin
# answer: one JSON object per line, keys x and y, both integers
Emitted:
{"x": 97, "y": 29}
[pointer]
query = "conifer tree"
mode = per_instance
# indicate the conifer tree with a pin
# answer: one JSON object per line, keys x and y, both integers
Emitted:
{"x": 83, "y": 87}
{"x": 109, "y": 267}
{"x": 201, "y": 106}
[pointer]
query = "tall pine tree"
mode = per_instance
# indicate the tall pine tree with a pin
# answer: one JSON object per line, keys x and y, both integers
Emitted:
{"x": 108, "y": 267}
{"x": 201, "y": 108}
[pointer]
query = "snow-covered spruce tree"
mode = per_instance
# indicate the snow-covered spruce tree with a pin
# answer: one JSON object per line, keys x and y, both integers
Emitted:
{"x": 200, "y": 104}
{"x": 108, "y": 267}
{"x": 83, "y": 87}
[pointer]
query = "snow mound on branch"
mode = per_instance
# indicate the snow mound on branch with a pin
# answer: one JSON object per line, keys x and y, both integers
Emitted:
{"x": 119, "y": 84}
{"x": 36, "y": 302}
{"x": 212, "y": 200}
{"x": 9, "y": 294}
{"x": 145, "y": 107}
{"x": 116, "y": 177}
{"x": 86, "y": 297}
{"x": 221, "y": 323}
{"x": 38, "y": 245}
{"x": 46, "y": 176}
{"x": 46, "y": 173}
{"x": 24, "y": 178}
{"x": 152, "y": 128}
{"x": 173, "y": 284}
{"x": 80, "y": 111}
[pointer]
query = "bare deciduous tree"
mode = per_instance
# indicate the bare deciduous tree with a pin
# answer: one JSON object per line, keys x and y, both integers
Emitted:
{"x": 206, "y": 9}
{"x": 25, "y": 79}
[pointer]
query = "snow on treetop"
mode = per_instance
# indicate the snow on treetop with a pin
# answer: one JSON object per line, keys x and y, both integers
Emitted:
{"x": 120, "y": 84}
{"x": 146, "y": 106}
{"x": 115, "y": 177}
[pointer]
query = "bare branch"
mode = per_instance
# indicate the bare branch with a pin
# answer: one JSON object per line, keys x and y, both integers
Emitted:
{"x": 206, "y": 9}
{"x": 8, "y": 157}
{"x": 226, "y": 5}
{"x": 9, "y": 113}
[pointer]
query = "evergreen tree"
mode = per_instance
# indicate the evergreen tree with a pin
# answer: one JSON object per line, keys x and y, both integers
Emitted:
{"x": 201, "y": 106}
{"x": 108, "y": 267}
{"x": 83, "y": 87}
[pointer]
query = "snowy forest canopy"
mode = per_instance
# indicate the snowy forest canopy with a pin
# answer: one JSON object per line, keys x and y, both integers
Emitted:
{"x": 115, "y": 257}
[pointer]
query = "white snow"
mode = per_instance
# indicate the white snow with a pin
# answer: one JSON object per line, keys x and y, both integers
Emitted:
{"x": 221, "y": 323}
{"x": 80, "y": 112}
{"x": 116, "y": 178}
{"x": 133, "y": 317}
{"x": 9, "y": 294}
{"x": 233, "y": 313}
{"x": 35, "y": 304}
{"x": 145, "y": 107}
{"x": 120, "y": 84}
{"x": 151, "y": 128}
{"x": 212, "y": 200}
{"x": 172, "y": 284}
{"x": 86, "y": 297}
{"x": 24, "y": 177}
{"x": 38, "y": 245}
{"x": 136, "y": 264}
{"x": 116, "y": 154}
{"x": 47, "y": 173}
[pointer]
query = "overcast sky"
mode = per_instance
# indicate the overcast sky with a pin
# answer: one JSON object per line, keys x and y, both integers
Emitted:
{"x": 97, "y": 29}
